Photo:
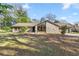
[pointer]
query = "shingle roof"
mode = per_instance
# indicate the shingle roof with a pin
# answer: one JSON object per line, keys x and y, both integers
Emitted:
{"x": 24, "y": 24}
{"x": 63, "y": 24}
{"x": 34, "y": 24}
{"x": 59, "y": 24}
{"x": 52, "y": 23}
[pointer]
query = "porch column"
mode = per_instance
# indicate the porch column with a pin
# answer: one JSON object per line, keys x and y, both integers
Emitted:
{"x": 35, "y": 29}
{"x": 67, "y": 30}
{"x": 70, "y": 30}
{"x": 13, "y": 29}
{"x": 17, "y": 30}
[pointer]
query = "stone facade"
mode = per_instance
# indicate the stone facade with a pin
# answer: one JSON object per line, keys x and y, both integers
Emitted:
{"x": 51, "y": 28}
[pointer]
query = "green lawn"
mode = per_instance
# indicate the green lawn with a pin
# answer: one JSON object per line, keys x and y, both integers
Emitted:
{"x": 37, "y": 45}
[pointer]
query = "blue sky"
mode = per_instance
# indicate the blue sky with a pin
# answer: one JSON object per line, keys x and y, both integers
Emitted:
{"x": 63, "y": 11}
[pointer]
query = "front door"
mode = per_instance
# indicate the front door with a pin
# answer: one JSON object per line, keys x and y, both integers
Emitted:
{"x": 33, "y": 29}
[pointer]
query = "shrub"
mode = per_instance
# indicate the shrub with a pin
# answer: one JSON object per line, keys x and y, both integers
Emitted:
{"x": 2, "y": 31}
{"x": 63, "y": 29}
{"x": 23, "y": 29}
{"x": 6, "y": 28}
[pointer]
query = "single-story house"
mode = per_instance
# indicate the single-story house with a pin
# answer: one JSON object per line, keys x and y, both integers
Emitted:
{"x": 46, "y": 26}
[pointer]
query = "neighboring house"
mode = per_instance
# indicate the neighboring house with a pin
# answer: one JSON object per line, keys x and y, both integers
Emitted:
{"x": 46, "y": 26}
{"x": 70, "y": 26}
{"x": 75, "y": 28}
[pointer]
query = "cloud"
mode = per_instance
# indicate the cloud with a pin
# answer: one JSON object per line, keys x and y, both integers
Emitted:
{"x": 17, "y": 5}
{"x": 63, "y": 18}
{"x": 66, "y": 6}
{"x": 26, "y": 6}
{"x": 75, "y": 14}
{"x": 69, "y": 17}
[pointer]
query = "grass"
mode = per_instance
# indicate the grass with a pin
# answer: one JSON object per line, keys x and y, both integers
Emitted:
{"x": 38, "y": 45}
{"x": 14, "y": 45}
{"x": 2, "y": 31}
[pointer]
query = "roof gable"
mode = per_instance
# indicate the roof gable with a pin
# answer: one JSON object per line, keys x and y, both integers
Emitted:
{"x": 52, "y": 23}
{"x": 49, "y": 22}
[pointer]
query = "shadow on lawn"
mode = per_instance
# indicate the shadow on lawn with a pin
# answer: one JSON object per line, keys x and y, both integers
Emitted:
{"x": 47, "y": 46}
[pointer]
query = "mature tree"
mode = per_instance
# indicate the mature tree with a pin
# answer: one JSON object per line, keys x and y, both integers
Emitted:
{"x": 6, "y": 17}
{"x": 56, "y": 21}
{"x": 35, "y": 20}
{"x": 4, "y": 7}
{"x": 21, "y": 15}
{"x": 42, "y": 19}
{"x": 51, "y": 17}
{"x": 63, "y": 21}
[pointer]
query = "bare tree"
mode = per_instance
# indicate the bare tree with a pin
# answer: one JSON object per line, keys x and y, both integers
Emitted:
{"x": 49, "y": 16}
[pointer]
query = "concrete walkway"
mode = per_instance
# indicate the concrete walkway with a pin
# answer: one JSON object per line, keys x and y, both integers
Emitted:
{"x": 72, "y": 34}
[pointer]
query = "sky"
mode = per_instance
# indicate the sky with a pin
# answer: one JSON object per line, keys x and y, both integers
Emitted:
{"x": 63, "y": 11}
